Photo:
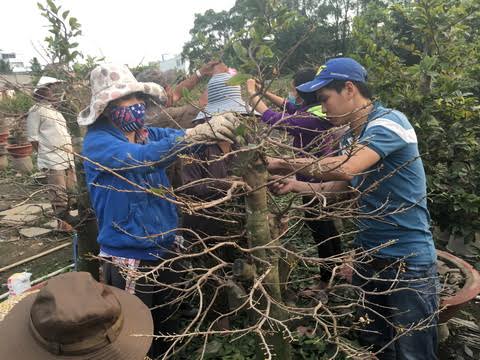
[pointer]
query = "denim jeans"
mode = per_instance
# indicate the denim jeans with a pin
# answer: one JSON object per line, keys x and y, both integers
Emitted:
{"x": 412, "y": 300}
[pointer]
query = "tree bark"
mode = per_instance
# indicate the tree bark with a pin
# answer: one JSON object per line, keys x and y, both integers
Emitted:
{"x": 258, "y": 233}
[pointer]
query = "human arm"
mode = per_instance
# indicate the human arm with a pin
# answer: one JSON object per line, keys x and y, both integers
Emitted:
{"x": 114, "y": 153}
{"x": 277, "y": 100}
{"x": 343, "y": 167}
{"x": 381, "y": 138}
{"x": 203, "y": 100}
{"x": 288, "y": 185}
{"x": 176, "y": 92}
{"x": 255, "y": 99}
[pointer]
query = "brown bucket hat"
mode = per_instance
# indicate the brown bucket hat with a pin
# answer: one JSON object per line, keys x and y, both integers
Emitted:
{"x": 75, "y": 317}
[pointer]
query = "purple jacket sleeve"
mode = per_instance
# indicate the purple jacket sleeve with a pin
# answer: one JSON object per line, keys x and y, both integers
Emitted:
{"x": 295, "y": 123}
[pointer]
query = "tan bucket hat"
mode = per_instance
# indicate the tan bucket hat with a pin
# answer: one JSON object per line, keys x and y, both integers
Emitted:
{"x": 74, "y": 317}
{"x": 110, "y": 82}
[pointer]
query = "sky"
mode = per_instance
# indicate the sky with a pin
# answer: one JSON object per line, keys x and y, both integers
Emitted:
{"x": 123, "y": 31}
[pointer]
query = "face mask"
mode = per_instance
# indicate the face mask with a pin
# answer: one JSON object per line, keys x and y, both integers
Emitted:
{"x": 293, "y": 100}
{"x": 128, "y": 118}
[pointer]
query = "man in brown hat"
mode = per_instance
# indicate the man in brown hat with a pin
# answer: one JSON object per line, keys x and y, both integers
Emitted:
{"x": 75, "y": 317}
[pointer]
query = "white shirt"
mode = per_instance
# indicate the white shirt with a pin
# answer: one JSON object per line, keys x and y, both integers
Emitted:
{"x": 48, "y": 127}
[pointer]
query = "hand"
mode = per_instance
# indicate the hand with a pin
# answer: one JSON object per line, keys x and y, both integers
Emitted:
{"x": 283, "y": 186}
{"x": 207, "y": 69}
{"x": 218, "y": 128}
{"x": 251, "y": 86}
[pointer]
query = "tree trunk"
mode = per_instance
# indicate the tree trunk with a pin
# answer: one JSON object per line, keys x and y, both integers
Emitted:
{"x": 258, "y": 232}
{"x": 87, "y": 230}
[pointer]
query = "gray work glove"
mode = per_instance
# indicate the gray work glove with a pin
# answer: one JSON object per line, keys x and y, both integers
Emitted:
{"x": 218, "y": 128}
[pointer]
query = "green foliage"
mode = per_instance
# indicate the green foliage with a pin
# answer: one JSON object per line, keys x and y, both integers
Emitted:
{"x": 36, "y": 71}
{"x": 268, "y": 31}
{"x": 16, "y": 106}
{"x": 82, "y": 70}
{"x": 63, "y": 30}
{"x": 423, "y": 60}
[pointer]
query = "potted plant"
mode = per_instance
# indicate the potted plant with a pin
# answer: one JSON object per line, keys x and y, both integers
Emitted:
{"x": 19, "y": 147}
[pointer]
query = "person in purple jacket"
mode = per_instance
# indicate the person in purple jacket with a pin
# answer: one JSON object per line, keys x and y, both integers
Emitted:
{"x": 302, "y": 117}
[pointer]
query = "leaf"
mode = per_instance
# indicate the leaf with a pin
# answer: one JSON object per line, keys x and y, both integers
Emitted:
{"x": 185, "y": 93}
{"x": 213, "y": 347}
{"x": 158, "y": 191}
{"x": 65, "y": 14}
{"x": 238, "y": 79}
{"x": 241, "y": 130}
{"x": 52, "y": 6}
{"x": 73, "y": 22}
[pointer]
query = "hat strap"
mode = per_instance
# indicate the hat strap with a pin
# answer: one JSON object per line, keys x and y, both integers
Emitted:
{"x": 85, "y": 346}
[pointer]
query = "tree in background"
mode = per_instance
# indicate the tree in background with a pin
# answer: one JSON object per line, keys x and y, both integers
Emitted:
{"x": 63, "y": 29}
{"x": 5, "y": 67}
{"x": 424, "y": 60}
{"x": 217, "y": 34}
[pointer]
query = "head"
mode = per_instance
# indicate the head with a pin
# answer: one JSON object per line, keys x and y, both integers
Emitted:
{"x": 222, "y": 97}
{"x": 49, "y": 89}
{"x": 43, "y": 94}
{"x": 299, "y": 97}
{"x": 341, "y": 88}
{"x": 111, "y": 84}
{"x": 220, "y": 68}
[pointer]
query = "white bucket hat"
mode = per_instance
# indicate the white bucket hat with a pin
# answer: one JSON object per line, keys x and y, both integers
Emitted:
{"x": 110, "y": 82}
{"x": 223, "y": 98}
{"x": 45, "y": 81}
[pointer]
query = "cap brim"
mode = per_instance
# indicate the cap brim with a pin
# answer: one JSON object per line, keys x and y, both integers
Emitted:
{"x": 313, "y": 85}
{"x": 17, "y": 342}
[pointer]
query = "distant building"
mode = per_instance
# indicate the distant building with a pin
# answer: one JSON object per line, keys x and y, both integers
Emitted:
{"x": 175, "y": 63}
{"x": 17, "y": 64}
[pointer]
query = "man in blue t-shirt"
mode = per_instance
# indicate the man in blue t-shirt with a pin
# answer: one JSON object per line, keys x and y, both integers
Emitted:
{"x": 380, "y": 162}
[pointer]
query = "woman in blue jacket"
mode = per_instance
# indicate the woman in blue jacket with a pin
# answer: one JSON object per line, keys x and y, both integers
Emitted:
{"x": 129, "y": 190}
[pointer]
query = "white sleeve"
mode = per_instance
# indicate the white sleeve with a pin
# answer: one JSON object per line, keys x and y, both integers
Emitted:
{"x": 33, "y": 125}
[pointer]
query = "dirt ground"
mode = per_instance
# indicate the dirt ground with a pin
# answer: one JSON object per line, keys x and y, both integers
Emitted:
{"x": 15, "y": 247}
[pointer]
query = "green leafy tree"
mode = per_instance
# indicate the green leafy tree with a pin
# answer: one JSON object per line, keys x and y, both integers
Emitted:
{"x": 423, "y": 58}
{"x": 63, "y": 29}
{"x": 221, "y": 34}
{"x": 5, "y": 67}
{"x": 35, "y": 66}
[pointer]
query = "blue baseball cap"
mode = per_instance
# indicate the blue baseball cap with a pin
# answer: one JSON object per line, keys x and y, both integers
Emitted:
{"x": 335, "y": 69}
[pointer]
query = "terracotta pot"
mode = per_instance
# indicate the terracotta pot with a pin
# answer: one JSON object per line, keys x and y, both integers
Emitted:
{"x": 4, "y": 136}
{"x": 20, "y": 151}
{"x": 451, "y": 304}
{"x": 470, "y": 289}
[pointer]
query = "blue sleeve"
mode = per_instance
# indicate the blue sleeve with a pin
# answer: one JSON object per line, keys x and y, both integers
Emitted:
{"x": 158, "y": 133}
{"x": 113, "y": 153}
{"x": 386, "y": 136}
